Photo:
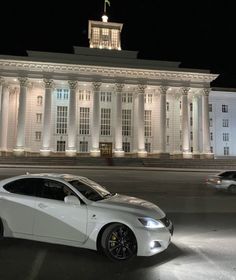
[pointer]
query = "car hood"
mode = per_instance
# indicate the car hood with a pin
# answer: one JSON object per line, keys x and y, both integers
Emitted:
{"x": 132, "y": 205}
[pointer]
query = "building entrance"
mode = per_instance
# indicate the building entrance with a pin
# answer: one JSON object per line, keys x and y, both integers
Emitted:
{"x": 106, "y": 149}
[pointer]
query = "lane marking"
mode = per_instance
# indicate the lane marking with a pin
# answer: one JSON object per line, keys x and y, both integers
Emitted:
{"x": 37, "y": 264}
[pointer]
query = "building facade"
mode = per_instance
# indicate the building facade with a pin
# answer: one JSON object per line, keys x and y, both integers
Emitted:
{"x": 103, "y": 100}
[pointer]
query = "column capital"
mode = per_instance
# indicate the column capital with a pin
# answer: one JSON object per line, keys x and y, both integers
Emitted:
{"x": 73, "y": 84}
{"x": 97, "y": 86}
{"x": 184, "y": 90}
{"x": 141, "y": 88}
{"x": 119, "y": 87}
{"x": 163, "y": 89}
{"x": 24, "y": 82}
{"x": 48, "y": 83}
{"x": 205, "y": 91}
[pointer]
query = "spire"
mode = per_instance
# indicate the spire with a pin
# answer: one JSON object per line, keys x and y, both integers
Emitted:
{"x": 105, "y": 17}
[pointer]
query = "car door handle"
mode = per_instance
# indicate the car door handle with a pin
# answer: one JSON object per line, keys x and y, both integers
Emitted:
{"x": 42, "y": 205}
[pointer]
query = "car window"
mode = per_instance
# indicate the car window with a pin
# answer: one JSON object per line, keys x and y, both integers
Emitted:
{"x": 53, "y": 189}
{"x": 227, "y": 174}
{"x": 25, "y": 186}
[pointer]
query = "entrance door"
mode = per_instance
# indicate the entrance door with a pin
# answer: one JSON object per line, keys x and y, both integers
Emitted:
{"x": 106, "y": 149}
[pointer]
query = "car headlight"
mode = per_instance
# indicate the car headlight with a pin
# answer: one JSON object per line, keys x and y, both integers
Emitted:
{"x": 151, "y": 223}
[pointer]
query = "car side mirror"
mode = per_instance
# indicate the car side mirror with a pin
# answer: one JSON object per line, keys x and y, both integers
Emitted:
{"x": 71, "y": 199}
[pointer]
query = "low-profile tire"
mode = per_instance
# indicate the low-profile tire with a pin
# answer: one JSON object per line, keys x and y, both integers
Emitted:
{"x": 118, "y": 242}
{"x": 1, "y": 229}
{"x": 232, "y": 189}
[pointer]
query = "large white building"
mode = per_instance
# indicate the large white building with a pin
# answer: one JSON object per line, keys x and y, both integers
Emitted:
{"x": 103, "y": 100}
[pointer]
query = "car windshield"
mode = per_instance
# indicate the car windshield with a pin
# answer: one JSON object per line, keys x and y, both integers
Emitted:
{"x": 227, "y": 174}
{"x": 90, "y": 189}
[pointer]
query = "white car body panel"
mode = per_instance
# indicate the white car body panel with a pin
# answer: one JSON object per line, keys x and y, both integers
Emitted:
{"x": 55, "y": 221}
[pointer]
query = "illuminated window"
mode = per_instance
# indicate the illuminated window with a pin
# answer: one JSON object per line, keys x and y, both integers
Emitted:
{"x": 61, "y": 126}
{"x": 105, "y": 121}
{"x": 147, "y": 123}
{"x": 84, "y": 121}
{"x": 126, "y": 122}
{"x": 84, "y": 95}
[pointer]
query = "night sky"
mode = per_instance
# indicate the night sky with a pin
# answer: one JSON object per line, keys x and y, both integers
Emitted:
{"x": 200, "y": 34}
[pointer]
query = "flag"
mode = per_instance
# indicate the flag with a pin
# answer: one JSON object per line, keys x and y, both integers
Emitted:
{"x": 107, "y": 2}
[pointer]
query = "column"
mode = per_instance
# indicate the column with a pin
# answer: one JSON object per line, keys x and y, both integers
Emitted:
{"x": 47, "y": 118}
{"x": 95, "y": 151}
{"x": 185, "y": 124}
{"x": 140, "y": 114}
{"x": 72, "y": 130}
{"x": 4, "y": 116}
{"x": 162, "y": 110}
{"x": 195, "y": 125}
{"x": 118, "y": 121}
{"x": 205, "y": 125}
{"x": 20, "y": 134}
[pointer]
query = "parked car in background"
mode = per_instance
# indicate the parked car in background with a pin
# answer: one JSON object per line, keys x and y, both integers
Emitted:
{"x": 76, "y": 211}
{"x": 225, "y": 180}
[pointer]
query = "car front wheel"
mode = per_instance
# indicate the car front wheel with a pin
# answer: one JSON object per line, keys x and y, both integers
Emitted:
{"x": 118, "y": 242}
{"x": 232, "y": 189}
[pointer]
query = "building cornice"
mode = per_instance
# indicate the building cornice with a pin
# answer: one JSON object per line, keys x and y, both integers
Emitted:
{"x": 67, "y": 71}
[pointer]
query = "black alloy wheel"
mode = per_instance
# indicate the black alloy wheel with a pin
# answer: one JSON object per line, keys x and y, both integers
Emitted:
{"x": 119, "y": 242}
{"x": 232, "y": 189}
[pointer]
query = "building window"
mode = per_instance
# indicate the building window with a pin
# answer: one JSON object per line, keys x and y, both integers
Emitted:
{"x": 126, "y": 147}
{"x": 39, "y": 100}
{"x": 38, "y": 117}
{"x": 114, "y": 38}
{"x": 191, "y": 121}
{"x": 83, "y": 146}
{"x": 148, "y": 98}
{"x": 191, "y": 107}
{"x": 167, "y": 139}
{"x": 38, "y": 135}
{"x": 211, "y": 149}
{"x": 105, "y": 121}
{"x": 211, "y": 136}
{"x": 225, "y": 136}
{"x": 95, "y": 36}
{"x": 127, "y": 97}
{"x": 191, "y": 135}
{"x": 103, "y": 97}
{"x": 225, "y": 123}
{"x": 225, "y": 108}
{"x": 167, "y": 106}
{"x": 147, "y": 123}
{"x": 210, "y": 122}
{"x": 210, "y": 107}
{"x": 180, "y": 105}
{"x": 84, "y": 121}
{"x": 84, "y": 95}
{"x": 108, "y": 96}
{"x": 126, "y": 122}
{"x": 61, "y": 127}
{"x": 62, "y": 94}
{"x": 148, "y": 147}
{"x": 130, "y": 98}
{"x": 167, "y": 122}
{"x": 191, "y": 149}
{"x": 226, "y": 151}
{"x": 180, "y": 134}
{"x": 61, "y": 146}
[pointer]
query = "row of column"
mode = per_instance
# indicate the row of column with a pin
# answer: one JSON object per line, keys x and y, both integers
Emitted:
{"x": 72, "y": 127}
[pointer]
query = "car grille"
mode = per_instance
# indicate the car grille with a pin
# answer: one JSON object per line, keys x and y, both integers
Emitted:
{"x": 165, "y": 221}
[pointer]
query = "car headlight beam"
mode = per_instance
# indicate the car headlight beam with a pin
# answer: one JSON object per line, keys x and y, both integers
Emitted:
{"x": 151, "y": 223}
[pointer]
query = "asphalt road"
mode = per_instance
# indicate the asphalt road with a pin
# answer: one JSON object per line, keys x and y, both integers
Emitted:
{"x": 202, "y": 248}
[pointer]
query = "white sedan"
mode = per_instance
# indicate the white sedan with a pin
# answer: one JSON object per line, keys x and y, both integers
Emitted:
{"x": 73, "y": 210}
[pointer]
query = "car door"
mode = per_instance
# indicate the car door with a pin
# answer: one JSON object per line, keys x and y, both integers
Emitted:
{"x": 18, "y": 205}
{"x": 56, "y": 219}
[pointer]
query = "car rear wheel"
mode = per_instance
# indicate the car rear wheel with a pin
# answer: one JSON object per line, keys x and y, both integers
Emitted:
{"x": 118, "y": 242}
{"x": 232, "y": 189}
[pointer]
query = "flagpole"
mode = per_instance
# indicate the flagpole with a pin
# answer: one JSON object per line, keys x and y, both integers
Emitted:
{"x": 104, "y": 6}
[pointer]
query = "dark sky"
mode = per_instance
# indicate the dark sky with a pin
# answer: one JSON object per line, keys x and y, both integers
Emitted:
{"x": 200, "y": 34}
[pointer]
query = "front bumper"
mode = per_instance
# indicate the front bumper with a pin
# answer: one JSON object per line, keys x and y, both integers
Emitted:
{"x": 153, "y": 241}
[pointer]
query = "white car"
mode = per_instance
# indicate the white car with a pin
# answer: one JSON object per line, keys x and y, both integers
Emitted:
{"x": 73, "y": 210}
{"x": 225, "y": 180}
